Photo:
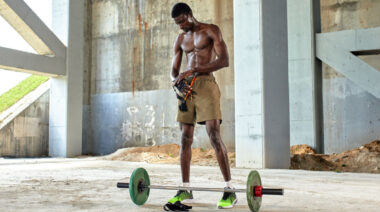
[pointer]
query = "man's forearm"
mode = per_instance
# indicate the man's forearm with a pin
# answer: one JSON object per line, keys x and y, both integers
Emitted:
{"x": 211, "y": 67}
{"x": 173, "y": 74}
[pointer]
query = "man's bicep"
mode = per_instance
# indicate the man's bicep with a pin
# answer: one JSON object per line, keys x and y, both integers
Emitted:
{"x": 177, "y": 58}
{"x": 220, "y": 46}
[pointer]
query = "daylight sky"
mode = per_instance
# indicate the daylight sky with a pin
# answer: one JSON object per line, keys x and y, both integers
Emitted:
{"x": 9, "y": 38}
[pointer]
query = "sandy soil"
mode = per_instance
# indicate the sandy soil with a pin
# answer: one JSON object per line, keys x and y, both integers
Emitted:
{"x": 363, "y": 159}
{"x": 168, "y": 153}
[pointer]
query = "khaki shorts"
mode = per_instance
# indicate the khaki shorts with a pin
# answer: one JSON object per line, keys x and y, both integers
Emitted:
{"x": 205, "y": 104}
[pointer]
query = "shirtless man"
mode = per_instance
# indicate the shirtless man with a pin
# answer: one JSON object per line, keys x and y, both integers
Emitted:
{"x": 206, "y": 52}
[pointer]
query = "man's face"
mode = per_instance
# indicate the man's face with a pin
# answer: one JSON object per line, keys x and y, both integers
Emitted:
{"x": 184, "y": 22}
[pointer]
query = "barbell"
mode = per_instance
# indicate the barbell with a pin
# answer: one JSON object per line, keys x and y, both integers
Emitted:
{"x": 139, "y": 188}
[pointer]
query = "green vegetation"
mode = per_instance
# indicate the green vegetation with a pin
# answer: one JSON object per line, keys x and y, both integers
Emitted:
{"x": 10, "y": 97}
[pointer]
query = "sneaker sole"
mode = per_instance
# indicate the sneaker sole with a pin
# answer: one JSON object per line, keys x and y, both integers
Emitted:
{"x": 227, "y": 207}
{"x": 187, "y": 201}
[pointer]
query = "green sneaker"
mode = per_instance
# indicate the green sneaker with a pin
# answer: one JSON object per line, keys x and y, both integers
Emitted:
{"x": 181, "y": 195}
{"x": 228, "y": 200}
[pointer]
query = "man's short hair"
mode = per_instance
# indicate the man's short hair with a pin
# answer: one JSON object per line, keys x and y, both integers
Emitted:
{"x": 180, "y": 8}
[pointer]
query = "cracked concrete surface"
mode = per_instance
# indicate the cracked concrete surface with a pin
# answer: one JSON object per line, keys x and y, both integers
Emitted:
{"x": 89, "y": 184}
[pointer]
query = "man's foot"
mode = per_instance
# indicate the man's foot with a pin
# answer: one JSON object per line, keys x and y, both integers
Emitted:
{"x": 181, "y": 195}
{"x": 228, "y": 200}
{"x": 178, "y": 206}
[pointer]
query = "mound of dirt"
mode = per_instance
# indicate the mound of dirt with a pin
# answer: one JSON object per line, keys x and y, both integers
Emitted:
{"x": 311, "y": 162}
{"x": 363, "y": 159}
{"x": 301, "y": 149}
{"x": 168, "y": 153}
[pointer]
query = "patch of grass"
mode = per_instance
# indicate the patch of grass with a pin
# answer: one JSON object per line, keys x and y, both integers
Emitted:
{"x": 10, "y": 97}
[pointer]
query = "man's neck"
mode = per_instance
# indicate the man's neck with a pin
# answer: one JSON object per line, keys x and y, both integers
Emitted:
{"x": 196, "y": 25}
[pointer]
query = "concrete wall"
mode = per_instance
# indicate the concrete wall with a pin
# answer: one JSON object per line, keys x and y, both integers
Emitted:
{"x": 28, "y": 134}
{"x": 128, "y": 100}
{"x": 131, "y": 50}
{"x": 351, "y": 114}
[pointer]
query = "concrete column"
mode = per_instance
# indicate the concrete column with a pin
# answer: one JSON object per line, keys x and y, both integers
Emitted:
{"x": 261, "y": 84}
{"x": 305, "y": 74}
{"x": 66, "y": 93}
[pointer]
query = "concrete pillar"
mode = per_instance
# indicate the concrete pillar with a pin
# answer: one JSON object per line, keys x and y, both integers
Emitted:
{"x": 66, "y": 93}
{"x": 305, "y": 74}
{"x": 261, "y": 84}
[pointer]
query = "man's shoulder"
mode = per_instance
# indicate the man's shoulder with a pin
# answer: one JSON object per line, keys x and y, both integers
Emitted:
{"x": 210, "y": 27}
{"x": 180, "y": 37}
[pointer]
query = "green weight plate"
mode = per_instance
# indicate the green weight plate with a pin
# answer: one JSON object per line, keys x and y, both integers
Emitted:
{"x": 252, "y": 181}
{"x": 139, "y": 177}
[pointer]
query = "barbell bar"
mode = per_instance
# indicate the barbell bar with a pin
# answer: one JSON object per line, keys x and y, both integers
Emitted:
{"x": 264, "y": 191}
{"x": 139, "y": 188}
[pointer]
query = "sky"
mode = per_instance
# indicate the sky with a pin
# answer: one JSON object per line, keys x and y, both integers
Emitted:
{"x": 9, "y": 38}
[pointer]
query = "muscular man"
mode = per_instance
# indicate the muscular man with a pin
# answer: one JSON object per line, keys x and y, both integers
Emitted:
{"x": 206, "y": 52}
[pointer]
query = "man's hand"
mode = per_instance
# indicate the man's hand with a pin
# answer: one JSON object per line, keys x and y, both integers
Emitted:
{"x": 183, "y": 75}
{"x": 181, "y": 89}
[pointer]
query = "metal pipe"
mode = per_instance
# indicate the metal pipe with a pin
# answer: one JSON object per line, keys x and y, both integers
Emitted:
{"x": 197, "y": 188}
{"x": 273, "y": 191}
{"x": 266, "y": 191}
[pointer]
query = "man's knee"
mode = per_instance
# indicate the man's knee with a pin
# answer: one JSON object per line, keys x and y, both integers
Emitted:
{"x": 214, "y": 134}
{"x": 215, "y": 140}
{"x": 186, "y": 140}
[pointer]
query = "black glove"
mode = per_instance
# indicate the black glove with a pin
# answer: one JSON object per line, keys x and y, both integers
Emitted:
{"x": 180, "y": 89}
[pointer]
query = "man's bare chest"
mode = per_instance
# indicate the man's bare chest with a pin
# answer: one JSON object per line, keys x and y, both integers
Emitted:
{"x": 195, "y": 41}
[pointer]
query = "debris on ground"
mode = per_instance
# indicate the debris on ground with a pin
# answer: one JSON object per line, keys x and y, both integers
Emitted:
{"x": 301, "y": 149}
{"x": 362, "y": 159}
{"x": 168, "y": 153}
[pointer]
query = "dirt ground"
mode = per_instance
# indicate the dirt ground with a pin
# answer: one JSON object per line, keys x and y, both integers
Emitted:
{"x": 363, "y": 159}
{"x": 89, "y": 184}
{"x": 169, "y": 154}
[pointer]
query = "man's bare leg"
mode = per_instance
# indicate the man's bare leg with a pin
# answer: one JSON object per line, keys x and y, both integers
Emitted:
{"x": 185, "y": 153}
{"x": 185, "y": 158}
{"x": 213, "y": 131}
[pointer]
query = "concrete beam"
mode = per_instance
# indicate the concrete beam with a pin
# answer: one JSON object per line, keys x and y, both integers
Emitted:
{"x": 18, "y": 14}
{"x": 355, "y": 40}
{"x": 15, "y": 60}
{"x": 261, "y": 84}
{"x": 335, "y": 49}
